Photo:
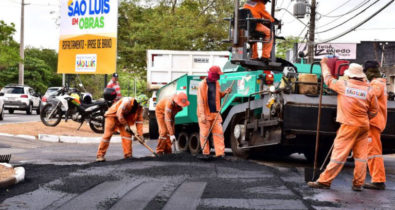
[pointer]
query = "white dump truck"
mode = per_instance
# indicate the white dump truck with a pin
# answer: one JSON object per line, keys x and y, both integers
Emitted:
{"x": 164, "y": 66}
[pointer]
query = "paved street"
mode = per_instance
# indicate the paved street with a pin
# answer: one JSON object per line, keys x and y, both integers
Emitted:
{"x": 19, "y": 117}
{"x": 62, "y": 176}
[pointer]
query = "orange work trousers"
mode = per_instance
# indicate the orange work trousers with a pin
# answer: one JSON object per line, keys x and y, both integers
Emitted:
{"x": 266, "y": 47}
{"x": 111, "y": 125}
{"x": 218, "y": 136}
{"x": 375, "y": 156}
{"x": 348, "y": 138}
{"x": 164, "y": 143}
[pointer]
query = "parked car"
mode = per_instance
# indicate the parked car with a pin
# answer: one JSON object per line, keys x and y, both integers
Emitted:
{"x": 21, "y": 97}
{"x": 1, "y": 106}
{"x": 49, "y": 94}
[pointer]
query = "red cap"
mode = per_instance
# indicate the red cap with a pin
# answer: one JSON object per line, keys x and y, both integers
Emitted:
{"x": 216, "y": 69}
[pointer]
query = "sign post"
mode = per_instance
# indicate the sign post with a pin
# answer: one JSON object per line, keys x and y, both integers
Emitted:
{"x": 88, "y": 37}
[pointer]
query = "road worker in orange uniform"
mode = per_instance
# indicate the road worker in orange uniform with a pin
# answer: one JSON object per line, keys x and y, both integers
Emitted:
{"x": 165, "y": 112}
{"x": 209, "y": 104}
{"x": 125, "y": 111}
{"x": 377, "y": 125}
{"x": 258, "y": 10}
{"x": 356, "y": 104}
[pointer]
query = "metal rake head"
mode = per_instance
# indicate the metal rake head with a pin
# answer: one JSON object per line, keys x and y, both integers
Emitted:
{"x": 5, "y": 158}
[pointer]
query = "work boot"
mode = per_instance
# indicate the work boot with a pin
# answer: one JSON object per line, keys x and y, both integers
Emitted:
{"x": 100, "y": 159}
{"x": 317, "y": 185}
{"x": 356, "y": 188}
{"x": 203, "y": 157}
{"x": 128, "y": 157}
{"x": 375, "y": 186}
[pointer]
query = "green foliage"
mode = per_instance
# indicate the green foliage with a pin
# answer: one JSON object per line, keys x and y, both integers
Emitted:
{"x": 37, "y": 74}
{"x": 170, "y": 25}
{"x": 284, "y": 45}
{"x": 9, "y": 49}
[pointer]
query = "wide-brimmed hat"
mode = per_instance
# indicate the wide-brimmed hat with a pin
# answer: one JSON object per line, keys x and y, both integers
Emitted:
{"x": 181, "y": 99}
{"x": 355, "y": 70}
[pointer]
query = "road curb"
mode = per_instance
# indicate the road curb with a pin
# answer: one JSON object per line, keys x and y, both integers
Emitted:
{"x": 19, "y": 136}
{"x": 75, "y": 139}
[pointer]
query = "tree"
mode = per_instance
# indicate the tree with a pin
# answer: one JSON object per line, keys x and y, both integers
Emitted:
{"x": 283, "y": 46}
{"x": 170, "y": 25}
{"x": 50, "y": 58}
{"x": 9, "y": 49}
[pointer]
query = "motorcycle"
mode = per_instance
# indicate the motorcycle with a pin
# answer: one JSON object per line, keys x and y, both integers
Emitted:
{"x": 68, "y": 104}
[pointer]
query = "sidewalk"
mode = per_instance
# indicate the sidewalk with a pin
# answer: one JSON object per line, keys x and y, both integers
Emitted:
{"x": 64, "y": 132}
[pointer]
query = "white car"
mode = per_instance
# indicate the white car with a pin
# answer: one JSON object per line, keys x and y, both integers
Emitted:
{"x": 20, "y": 97}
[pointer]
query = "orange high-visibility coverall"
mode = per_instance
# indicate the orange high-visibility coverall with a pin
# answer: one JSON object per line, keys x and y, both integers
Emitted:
{"x": 356, "y": 104}
{"x": 117, "y": 117}
{"x": 165, "y": 112}
{"x": 377, "y": 125}
{"x": 203, "y": 112}
{"x": 258, "y": 10}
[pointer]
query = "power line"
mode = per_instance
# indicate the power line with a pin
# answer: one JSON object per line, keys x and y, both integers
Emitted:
{"x": 358, "y": 25}
{"x": 336, "y": 8}
{"x": 350, "y": 11}
{"x": 342, "y": 15}
{"x": 364, "y": 10}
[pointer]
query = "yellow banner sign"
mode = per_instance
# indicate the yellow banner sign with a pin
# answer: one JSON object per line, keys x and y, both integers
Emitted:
{"x": 88, "y": 37}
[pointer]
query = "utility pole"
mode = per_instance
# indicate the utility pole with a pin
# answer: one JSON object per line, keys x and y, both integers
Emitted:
{"x": 22, "y": 46}
{"x": 310, "y": 43}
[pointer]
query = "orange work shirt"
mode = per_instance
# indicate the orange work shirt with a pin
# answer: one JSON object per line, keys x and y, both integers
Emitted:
{"x": 202, "y": 98}
{"x": 258, "y": 10}
{"x": 122, "y": 111}
{"x": 356, "y": 103}
{"x": 168, "y": 109}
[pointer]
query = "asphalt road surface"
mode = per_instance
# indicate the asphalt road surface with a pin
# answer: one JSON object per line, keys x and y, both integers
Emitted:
{"x": 63, "y": 176}
{"x": 19, "y": 117}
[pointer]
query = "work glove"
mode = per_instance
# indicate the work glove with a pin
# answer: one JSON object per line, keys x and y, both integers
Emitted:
{"x": 172, "y": 138}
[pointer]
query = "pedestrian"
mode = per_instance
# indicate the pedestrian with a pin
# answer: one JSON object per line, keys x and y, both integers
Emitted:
{"x": 115, "y": 84}
{"x": 258, "y": 10}
{"x": 377, "y": 125}
{"x": 165, "y": 113}
{"x": 127, "y": 111}
{"x": 209, "y": 105}
{"x": 356, "y": 104}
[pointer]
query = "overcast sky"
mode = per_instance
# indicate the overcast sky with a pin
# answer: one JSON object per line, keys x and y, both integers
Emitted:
{"x": 42, "y": 31}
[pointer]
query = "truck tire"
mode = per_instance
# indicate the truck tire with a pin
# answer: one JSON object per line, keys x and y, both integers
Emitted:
{"x": 194, "y": 143}
{"x": 183, "y": 142}
{"x": 153, "y": 126}
{"x": 237, "y": 151}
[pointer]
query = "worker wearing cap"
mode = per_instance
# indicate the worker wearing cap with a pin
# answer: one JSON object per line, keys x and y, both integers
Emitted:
{"x": 209, "y": 106}
{"x": 127, "y": 111}
{"x": 115, "y": 84}
{"x": 356, "y": 104}
{"x": 258, "y": 10}
{"x": 165, "y": 113}
{"x": 377, "y": 125}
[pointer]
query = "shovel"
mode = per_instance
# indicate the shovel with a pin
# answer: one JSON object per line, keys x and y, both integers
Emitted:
{"x": 311, "y": 174}
{"x": 142, "y": 142}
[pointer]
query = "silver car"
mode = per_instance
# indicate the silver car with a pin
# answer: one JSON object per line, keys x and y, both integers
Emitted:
{"x": 20, "y": 97}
